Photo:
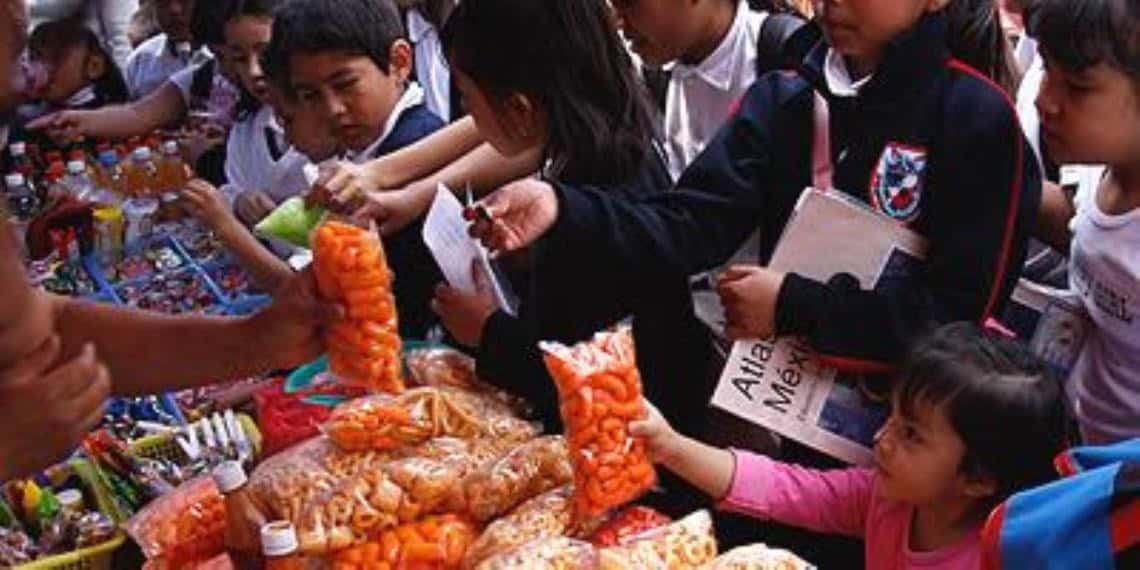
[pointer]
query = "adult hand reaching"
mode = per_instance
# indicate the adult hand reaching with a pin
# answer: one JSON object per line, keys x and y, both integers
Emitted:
{"x": 63, "y": 127}
{"x": 290, "y": 332}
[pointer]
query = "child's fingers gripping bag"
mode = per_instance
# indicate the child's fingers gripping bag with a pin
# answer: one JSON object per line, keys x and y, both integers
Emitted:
{"x": 555, "y": 553}
{"x": 183, "y": 526}
{"x": 758, "y": 557}
{"x": 364, "y": 348}
{"x": 600, "y": 392}
{"x": 688, "y": 544}
{"x": 433, "y": 542}
{"x": 547, "y": 515}
{"x": 531, "y": 468}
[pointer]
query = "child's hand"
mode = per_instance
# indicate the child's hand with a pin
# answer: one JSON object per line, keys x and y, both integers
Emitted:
{"x": 660, "y": 439}
{"x": 206, "y": 203}
{"x": 342, "y": 186}
{"x": 464, "y": 315}
{"x": 252, "y": 206}
{"x": 392, "y": 210}
{"x": 749, "y": 293}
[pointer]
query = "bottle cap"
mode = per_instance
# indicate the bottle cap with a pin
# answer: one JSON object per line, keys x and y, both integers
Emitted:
{"x": 229, "y": 476}
{"x": 76, "y": 167}
{"x": 108, "y": 158}
{"x": 170, "y": 147}
{"x": 142, "y": 153}
{"x": 70, "y": 500}
{"x": 14, "y": 179}
{"x": 278, "y": 538}
{"x": 18, "y": 148}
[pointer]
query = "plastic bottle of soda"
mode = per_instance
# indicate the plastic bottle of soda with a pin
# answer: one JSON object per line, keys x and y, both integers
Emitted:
{"x": 141, "y": 173}
{"x": 171, "y": 169}
{"x": 111, "y": 176}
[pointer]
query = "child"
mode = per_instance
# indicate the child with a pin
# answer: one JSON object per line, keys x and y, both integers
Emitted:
{"x": 81, "y": 73}
{"x": 349, "y": 61}
{"x": 593, "y": 123}
{"x": 974, "y": 419}
{"x": 1089, "y": 106}
{"x": 917, "y": 136}
{"x": 152, "y": 63}
{"x": 424, "y": 19}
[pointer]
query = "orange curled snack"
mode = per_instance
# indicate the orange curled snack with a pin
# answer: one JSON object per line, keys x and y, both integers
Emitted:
{"x": 600, "y": 392}
{"x": 351, "y": 269}
{"x": 434, "y": 542}
{"x": 182, "y": 526}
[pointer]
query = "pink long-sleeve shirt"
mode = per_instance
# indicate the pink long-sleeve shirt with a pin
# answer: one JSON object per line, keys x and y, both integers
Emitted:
{"x": 840, "y": 502}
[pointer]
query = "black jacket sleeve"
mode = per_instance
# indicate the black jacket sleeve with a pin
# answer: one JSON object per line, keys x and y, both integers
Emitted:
{"x": 982, "y": 191}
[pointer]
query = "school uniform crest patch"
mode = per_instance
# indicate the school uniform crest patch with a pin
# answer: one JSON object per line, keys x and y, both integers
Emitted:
{"x": 898, "y": 181}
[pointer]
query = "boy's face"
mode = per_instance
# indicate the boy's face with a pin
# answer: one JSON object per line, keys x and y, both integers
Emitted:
{"x": 655, "y": 29}
{"x": 304, "y": 128}
{"x": 174, "y": 18}
{"x": 72, "y": 69}
{"x": 861, "y": 29}
{"x": 918, "y": 457}
{"x": 13, "y": 37}
{"x": 349, "y": 92}
{"x": 1089, "y": 116}
{"x": 246, "y": 39}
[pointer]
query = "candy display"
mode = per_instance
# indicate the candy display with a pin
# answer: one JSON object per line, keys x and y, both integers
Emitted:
{"x": 170, "y": 293}
{"x": 185, "y": 525}
{"x": 136, "y": 417}
{"x": 157, "y": 257}
{"x": 351, "y": 269}
{"x": 433, "y": 542}
{"x": 232, "y": 280}
{"x": 545, "y": 516}
{"x": 627, "y": 524}
{"x": 61, "y": 278}
{"x": 600, "y": 392}
{"x": 386, "y": 422}
{"x": 758, "y": 557}
{"x": 683, "y": 545}
{"x": 556, "y": 553}
{"x": 531, "y": 468}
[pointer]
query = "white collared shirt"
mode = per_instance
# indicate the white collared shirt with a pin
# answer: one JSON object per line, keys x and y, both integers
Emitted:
{"x": 700, "y": 97}
{"x": 250, "y": 164}
{"x": 413, "y": 95}
{"x": 432, "y": 72}
{"x": 155, "y": 61}
{"x": 838, "y": 79}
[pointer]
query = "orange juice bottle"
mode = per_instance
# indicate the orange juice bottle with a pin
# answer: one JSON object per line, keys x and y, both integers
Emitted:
{"x": 141, "y": 173}
{"x": 171, "y": 169}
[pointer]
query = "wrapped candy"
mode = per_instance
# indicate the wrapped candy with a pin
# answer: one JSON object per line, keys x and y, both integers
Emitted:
{"x": 627, "y": 524}
{"x": 16, "y": 548}
{"x": 758, "y": 557}
{"x": 530, "y": 469}
{"x": 185, "y": 525}
{"x": 351, "y": 269}
{"x": 556, "y": 553}
{"x": 385, "y": 422}
{"x": 688, "y": 544}
{"x": 600, "y": 392}
{"x": 433, "y": 542}
{"x": 545, "y": 516}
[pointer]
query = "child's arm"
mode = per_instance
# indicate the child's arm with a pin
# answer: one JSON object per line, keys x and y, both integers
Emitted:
{"x": 834, "y": 501}
{"x": 1053, "y": 219}
{"x": 266, "y": 271}
{"x": 163, "y": 108}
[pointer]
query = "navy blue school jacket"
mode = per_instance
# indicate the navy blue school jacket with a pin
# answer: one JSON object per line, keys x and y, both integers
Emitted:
{"x": 408, "y": 257}
{"x": 928, "y": 141}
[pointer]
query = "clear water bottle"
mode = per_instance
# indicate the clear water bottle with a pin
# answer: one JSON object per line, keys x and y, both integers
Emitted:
{"x": 22, "y": 200}
{"x": 78, "y": 183}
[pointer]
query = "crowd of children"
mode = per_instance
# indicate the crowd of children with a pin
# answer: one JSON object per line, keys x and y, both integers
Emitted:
{"x": 639, "y": 160}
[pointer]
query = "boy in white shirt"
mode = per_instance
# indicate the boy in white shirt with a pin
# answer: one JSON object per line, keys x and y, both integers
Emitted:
{"x": 154, "y": 61}
{"x": 1089, "y": 107}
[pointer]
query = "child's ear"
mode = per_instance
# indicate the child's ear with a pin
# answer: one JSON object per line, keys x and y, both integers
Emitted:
{"x": 979, "y": 485}
{"x": 94, "y": 67}
{"x": 400, "y": 60}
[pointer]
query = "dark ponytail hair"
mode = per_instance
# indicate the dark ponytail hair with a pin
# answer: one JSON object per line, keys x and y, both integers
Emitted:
{"x": 975, "y": 36}
{"x": 566, "y": 55}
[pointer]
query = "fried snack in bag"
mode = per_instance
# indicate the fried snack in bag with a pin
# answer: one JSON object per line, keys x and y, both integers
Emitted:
{"x": 447, "y": 367}
{"x": 288, "y": 481}
{"x": 688, "y": 544}
{"x": 528, "y": 470}
{"x": 600, "y": 392}
{"x": 434, "y": 542}
{"x": 554, "y": 553}
{"x": 547, "y": 515}
{"x": 384, "y": 422}
{"x": 183, "y": 526}
{"x": 364, "y": 348}
{"x": 627, "y": 524}
{"x": 758, "y": 557}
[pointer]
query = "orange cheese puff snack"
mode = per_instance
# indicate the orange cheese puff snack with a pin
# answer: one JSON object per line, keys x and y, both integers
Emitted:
{"x": 528, "y": 470}
{"x": 688, "y": 544}
{"x": 364, "y": 349}
{"x": 183, "y": 526}
{"x": 547, "y": 515}
{"x": 600, "y": 392}
{"x": 555, "y": 553}
{"x": 378, "y": 423}
{"x": 758, "y": 557}
{"x": 432, "y": 543}
{"x": 628, "y": 523}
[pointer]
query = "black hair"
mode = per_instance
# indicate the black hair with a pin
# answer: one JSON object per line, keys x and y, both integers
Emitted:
{"x": 51, "y": 39}
{"x": 975, "y": 36}
{"x": 223, "y": 11}
{"x": 1005, "y": 403}
{"x": 435, "y": 12}
{"x": 566, "y": 55}
{"x": 1079, "y": 34}
{"x": 208, "y": 22}
{"x": 358, "y": 27}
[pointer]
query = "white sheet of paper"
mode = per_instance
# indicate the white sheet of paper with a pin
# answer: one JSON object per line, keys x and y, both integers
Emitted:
{"x": 445, "y": 233}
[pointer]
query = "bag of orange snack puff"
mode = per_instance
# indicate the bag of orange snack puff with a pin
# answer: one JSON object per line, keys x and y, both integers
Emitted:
{"x": 183, "y": 526}
{"x": 364, "y": 348}
{"x": 600, "y": 392}
{"x": 437, "y": 542}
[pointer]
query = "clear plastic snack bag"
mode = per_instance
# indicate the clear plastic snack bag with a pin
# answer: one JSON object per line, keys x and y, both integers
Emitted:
{"x": 555, "y": 553}
{"x": 758, "y": 557}
{"x": 687, "y": 544}
{"x": 547, "y": 515}
{"x": 183, "y": 526}
{"x": 528, "y": 470}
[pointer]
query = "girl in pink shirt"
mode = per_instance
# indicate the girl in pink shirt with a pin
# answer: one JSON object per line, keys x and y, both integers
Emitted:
{"x": 975, "y": 418}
